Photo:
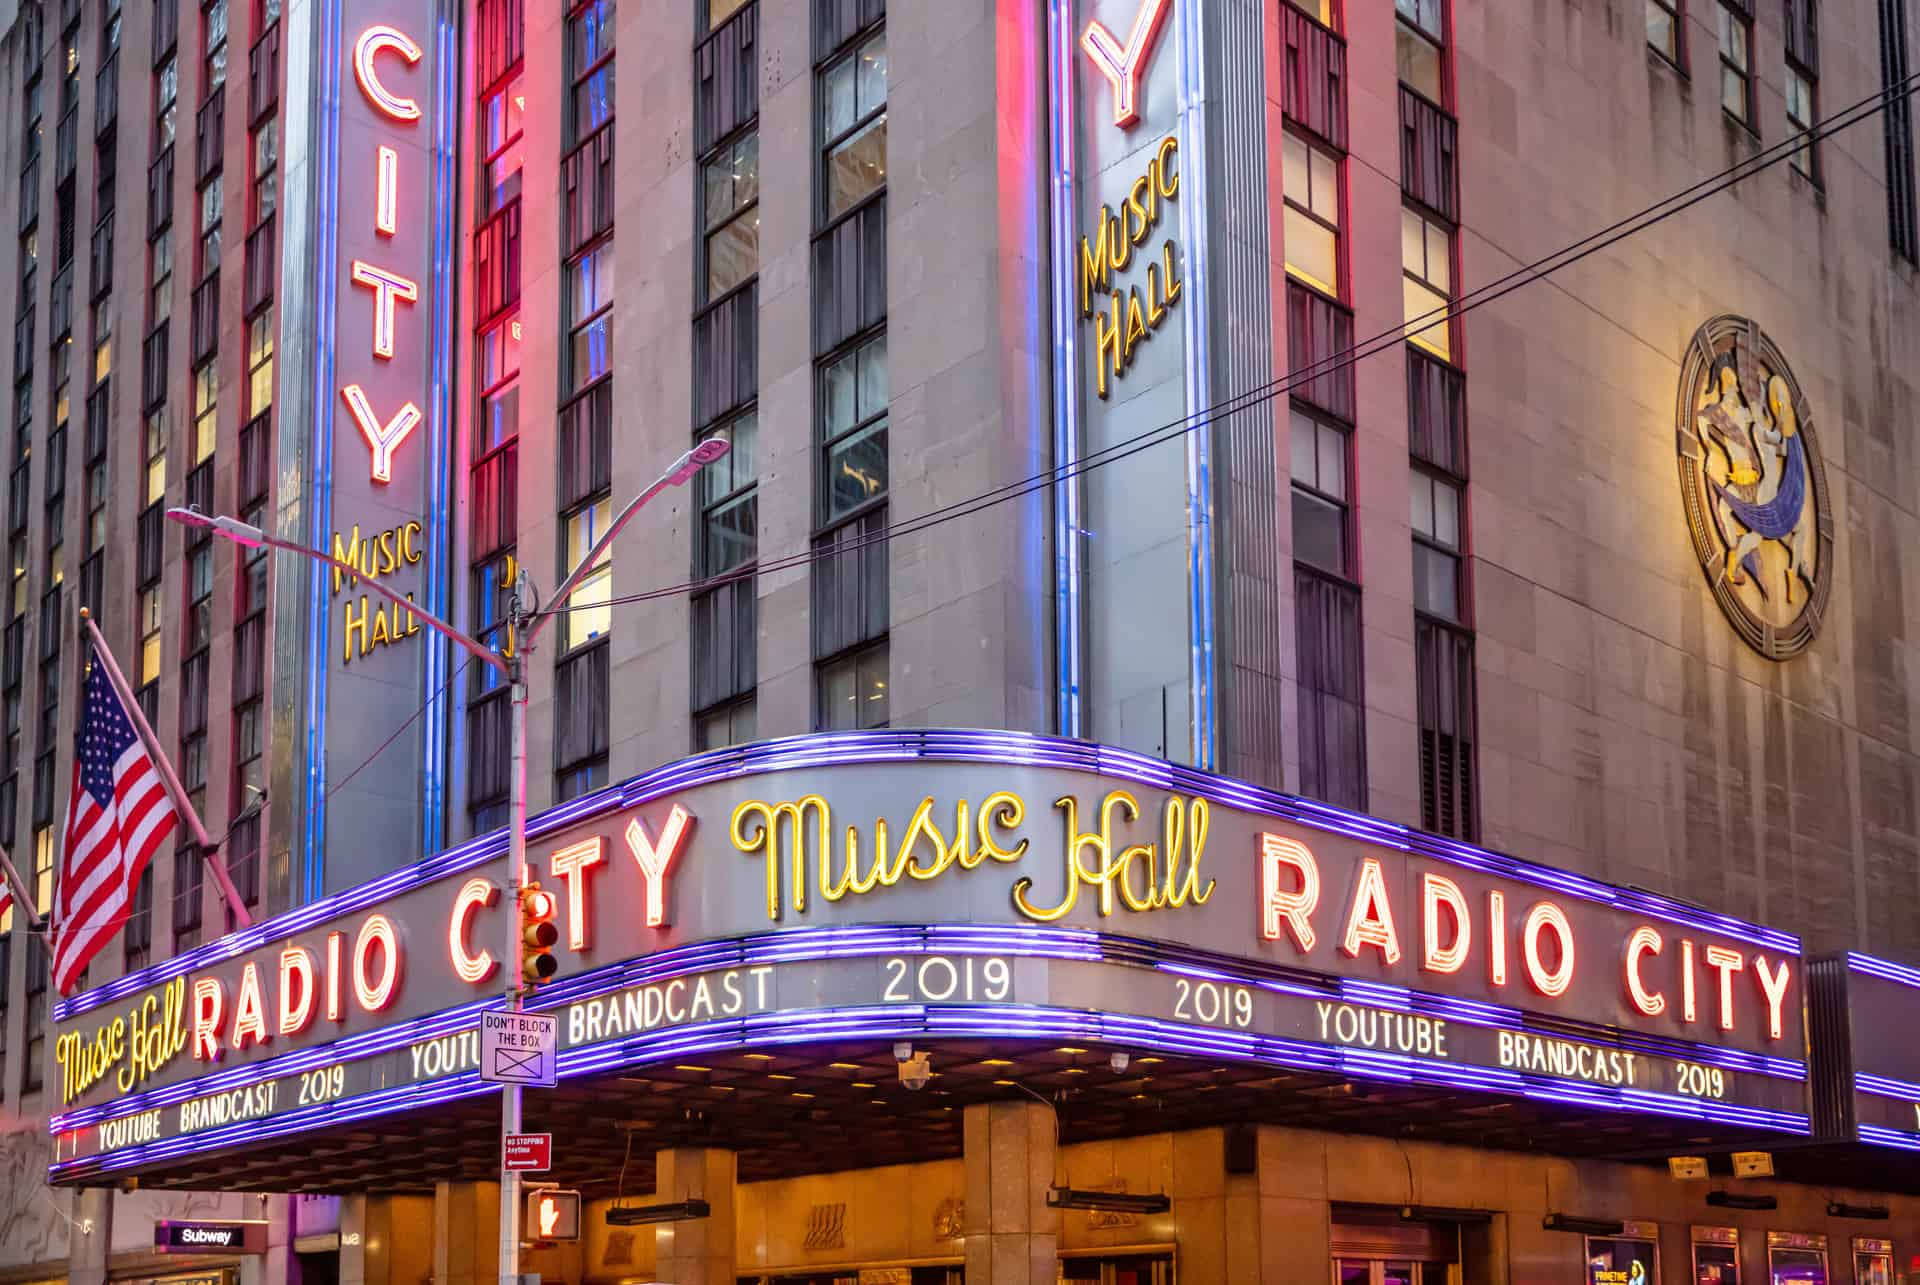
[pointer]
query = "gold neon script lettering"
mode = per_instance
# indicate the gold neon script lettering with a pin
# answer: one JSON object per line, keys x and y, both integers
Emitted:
{"x": 156, "y": 1035}
{"x": 797, "y": 833}
{"x": 1093, "y": 859}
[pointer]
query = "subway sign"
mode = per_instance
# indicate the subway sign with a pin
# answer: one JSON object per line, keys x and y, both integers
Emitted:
{"x": 966, "y": 883}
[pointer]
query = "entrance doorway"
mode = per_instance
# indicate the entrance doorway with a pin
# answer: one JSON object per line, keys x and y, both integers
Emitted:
{"x": 1118, "y": 1269}
{"x": 1379, "y": 1247}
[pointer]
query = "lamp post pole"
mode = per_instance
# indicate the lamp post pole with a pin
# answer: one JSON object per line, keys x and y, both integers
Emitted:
{"x": 526, "y": 625}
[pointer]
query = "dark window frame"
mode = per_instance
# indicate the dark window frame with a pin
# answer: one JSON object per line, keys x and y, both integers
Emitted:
{"x": 1324, "y": 422}
{"x": 1742, "y": 17}
{"x": 1458, "y": 552}
{"x": 848, "y": 51}
{"x": 825, "y": 521}
{"x": 1676, "y": 11}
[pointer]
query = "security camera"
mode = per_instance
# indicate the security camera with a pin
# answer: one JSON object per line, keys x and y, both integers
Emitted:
{"x": 1119, "y": 1062}
{"x": 902, "y": 1051}
{"x": 916, "y": 1071}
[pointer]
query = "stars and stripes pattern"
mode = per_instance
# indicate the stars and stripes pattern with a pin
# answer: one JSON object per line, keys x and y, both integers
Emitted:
{"x": 118, "y": 815}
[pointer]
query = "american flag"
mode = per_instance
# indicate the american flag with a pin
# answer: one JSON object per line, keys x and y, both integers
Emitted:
{"x": 118, "y": 815}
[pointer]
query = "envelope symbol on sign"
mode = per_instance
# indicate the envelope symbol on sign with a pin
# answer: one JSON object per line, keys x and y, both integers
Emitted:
{"x": 508, "y": 1062}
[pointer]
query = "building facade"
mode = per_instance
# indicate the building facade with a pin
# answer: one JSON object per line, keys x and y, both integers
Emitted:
{"x": 1158, "y": 374}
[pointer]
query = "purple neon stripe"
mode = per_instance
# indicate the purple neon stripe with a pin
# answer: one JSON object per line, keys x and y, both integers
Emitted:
{"x": 1885, "y": 969}
{"x": 1882, "y": 1137}
{"x": 1886, "y": 1086}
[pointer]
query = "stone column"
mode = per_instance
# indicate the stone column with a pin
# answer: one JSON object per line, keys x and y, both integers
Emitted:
{"x": 90, "y": 1238}
{"x": 275, "y": 1267}
{"x": 466, "y": 1233}
{"x": 1012, "y": 1238}
{"x": 700, "y": 1250}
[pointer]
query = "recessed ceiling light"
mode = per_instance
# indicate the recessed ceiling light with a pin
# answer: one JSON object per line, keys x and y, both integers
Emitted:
{"x": 803, "y": 1095}
{"x": 844, "y": 1066}
{"x": 1068, "y": 1049}
{"x": 861, "y": 1084}
{"x": 759, "y": 1057}
{"x": 996, "y": 1061}
{"x": 698, "y": 1070}
{"x": 775, "y": 1075}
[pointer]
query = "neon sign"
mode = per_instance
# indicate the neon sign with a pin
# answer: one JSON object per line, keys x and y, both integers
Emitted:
{"x": 384, "y": 433}
{"x": 1122, "y": 64}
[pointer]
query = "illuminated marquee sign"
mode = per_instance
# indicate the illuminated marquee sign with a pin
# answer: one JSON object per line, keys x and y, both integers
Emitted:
{"x": 1118, "y": 899}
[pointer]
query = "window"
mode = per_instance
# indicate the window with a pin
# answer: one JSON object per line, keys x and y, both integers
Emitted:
{"x": 492, "y": 614}
{"x": 853, "y": 106}
{"x": 160, "y": 295}
{"x": 266, "y": 171}
{"x": 102, "y": 344}
{"x": 156, "y": 475}
{"x": 588, "y": 613}
{"x": 734, "y": 724}
{"x": 1321, "y": 11}
{"x": 166, "y": 111}
{"x": 1426, "y": 252}
{"x": 502, "y": 123}
{"x": 853, "y": 412}
{"x": 110, "y": 29}
{"x": 499, "y": 417}
{"x": 250, "y": 585}
{"x": 259, "y": 363}
{"x": 56, "y": 542}
{"x": 188, "y": 874}
{"x": 730, "y": 504}
{"x": 17, "y": 600}
{"x": 1736, "y": 63}
{"x": 216, "y": 66}
{"x": 853, "y": 691}
{"x": 199, "y": 625}
{"x": 149, "y": 636}
{"x": 1903, "y": 235}
{"x": 718, "y": 11}
{"x": 590, "y": 33}
{"x": 590, "y": 310}
{"x": 1436, "y": 546}
{"x": 29, "y": 263}
{"x": 1665, "y": 28}
{"x": 1444, "y": 681}
{"x": 1319, "y": 494}
{"x": 206, "y": 410}
{"x": 210, "y": 206}
{"x": 1801, "y": 116}
{"x": 1419, "y": 37}
{"x": 733, "y": 215}
{"x": 96, "y": 505}
{"x": 138, "y": 939}
{"x": 1312, "y": 230}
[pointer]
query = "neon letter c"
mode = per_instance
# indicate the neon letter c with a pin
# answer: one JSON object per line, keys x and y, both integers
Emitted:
{"x": 375, "y": 40}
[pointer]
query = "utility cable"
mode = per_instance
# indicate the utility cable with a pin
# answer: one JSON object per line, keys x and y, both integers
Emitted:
{"x": 1386, "y": 340}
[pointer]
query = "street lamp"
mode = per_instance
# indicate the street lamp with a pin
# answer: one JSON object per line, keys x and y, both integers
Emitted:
{"x": 526, "y": 627}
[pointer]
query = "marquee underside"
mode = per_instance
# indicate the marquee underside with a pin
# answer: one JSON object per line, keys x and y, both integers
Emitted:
{"x": 790, "y": 1110}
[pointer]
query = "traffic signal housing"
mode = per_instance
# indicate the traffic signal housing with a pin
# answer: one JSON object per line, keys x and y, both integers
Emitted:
{"x": 552, "y": 1215}
{"x": 538, "y": 935}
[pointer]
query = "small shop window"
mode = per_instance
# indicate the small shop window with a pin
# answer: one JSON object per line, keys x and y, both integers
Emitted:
{"x": 1795, "y": 1258}
{"x": 1117, "y": 1269}
{"x": 1716, "y": 1256}
{"x": 1623, "y": 1260}
{"x": 1872, "y": 1261}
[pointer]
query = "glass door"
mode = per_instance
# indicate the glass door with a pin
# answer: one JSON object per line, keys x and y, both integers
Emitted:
{"x": 1119, "y": 1269}
{"x": 1393, "y": 1271}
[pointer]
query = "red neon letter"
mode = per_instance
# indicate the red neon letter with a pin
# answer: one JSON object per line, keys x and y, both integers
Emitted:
{"x": 209, "y": 999}
{"x": 376, "y": 40}
{"x": 296, "y": 979}
{"x": 387, "y": 287}
{"x": 334, "y": 1011}
{"x": 1437, "y": 892}
{"x": 473, "y": 894}
{"x": 1775, "y": 989}
{"x": 570, "y": 865}
{"x": 1547, "y": 915}
{"x": 249, "y": 1011}
{"x": 1688, "y": 1008}
{"x": 1645, "y": 941}
{"x": 386, "y": 205}
{"x": 1370, "y": 921}
{"x": 383, "y": 438}
{"x": 375, "y": 993}
{"x": 1497, "y": 938}
{"x": 1728, "y": 962}
{"x": 1293, "y": 910}
{"x": 654, "y": 860}
{"x": 1122, "y": 65}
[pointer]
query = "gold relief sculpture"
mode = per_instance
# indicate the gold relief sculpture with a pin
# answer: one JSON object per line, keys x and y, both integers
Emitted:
{"x": 949, "y": 1218}
{"x": 1754, "y": 487}
{"x": 826, "y": 1227}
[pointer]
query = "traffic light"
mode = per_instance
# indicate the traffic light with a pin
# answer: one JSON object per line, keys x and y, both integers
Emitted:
{"x": 538, "y": 933}
{"x": 552, "y": 1215}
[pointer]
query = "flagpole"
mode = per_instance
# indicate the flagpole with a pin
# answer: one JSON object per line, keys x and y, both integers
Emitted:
{"x": 208, "y": 853}
{"x": 19, "y": 885}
